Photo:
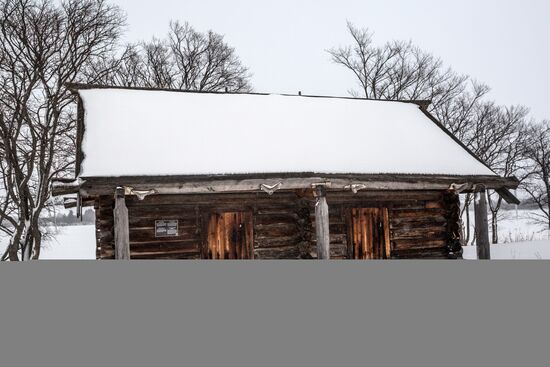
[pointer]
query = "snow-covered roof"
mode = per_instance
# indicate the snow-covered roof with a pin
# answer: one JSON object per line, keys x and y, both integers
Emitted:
{"x": 131, "y": 132}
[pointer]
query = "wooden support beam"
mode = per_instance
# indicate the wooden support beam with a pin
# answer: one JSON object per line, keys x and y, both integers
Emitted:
{"x": 69, "y": 203}
{"x": 230, "y": 184}
{"x": 121, "y": 226}
{"x": 482, "y": 226}
{"x": 322, "y": 224}
{"x": 508, "y": 196}
{"x": 66, "y": 187}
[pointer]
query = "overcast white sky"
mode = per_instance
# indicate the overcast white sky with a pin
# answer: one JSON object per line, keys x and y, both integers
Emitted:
{"x": 504, "y": 44}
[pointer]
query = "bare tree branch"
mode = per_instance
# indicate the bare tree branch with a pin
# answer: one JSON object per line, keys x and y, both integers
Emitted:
{"x": 186, "y": 59}
{"x": 43, "y": 45}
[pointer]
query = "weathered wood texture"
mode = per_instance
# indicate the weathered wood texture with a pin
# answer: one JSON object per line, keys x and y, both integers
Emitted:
{"x": 122, "y": 237}
{"x": 230, "y": 236}
{"x": 482, "y": 226}
{"x": 369, "y": 233}
{"x": 283, "y": 225}
{"x": 322, "y": 224}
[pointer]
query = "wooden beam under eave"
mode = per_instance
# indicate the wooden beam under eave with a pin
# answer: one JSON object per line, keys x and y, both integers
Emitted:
{"x": 322, "y": 224}
{"x": 95, "y": 187}
{"x": 66, "y": 187}
{"x": 121, "y": 226}
{"x": 73, "y": 203}
{"x": 508, "y": 196}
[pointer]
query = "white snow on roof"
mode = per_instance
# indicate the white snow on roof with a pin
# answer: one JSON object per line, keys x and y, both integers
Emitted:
{"x": 137, "y": 132}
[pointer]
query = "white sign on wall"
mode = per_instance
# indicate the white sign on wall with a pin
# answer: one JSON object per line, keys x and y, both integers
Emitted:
{"x": 166, "y": 228}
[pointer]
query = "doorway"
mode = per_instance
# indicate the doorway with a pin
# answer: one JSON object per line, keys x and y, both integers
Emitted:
{"x": 368, "y": 234}
{"x": 230, "y": 236}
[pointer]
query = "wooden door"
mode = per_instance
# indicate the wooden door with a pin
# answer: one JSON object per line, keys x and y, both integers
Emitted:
{"x": 369, "y": 233}
{"x": 230, "y": 236}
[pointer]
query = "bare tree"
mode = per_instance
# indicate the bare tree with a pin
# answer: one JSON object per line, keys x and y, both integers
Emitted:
{"x": 397, "y": 70}
{"x": 459, "y": 114}
{"x": 400, "y": 71}
{"x": 504, "y": 140}
{"x": 537, "y": 183}
{"x": 186, "y": 59}
{"x": 43, "y": 44}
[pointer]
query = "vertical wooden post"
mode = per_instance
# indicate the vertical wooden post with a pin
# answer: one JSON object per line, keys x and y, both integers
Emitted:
{"x": 322, "y": 224}
{"x": 482, "y": 226}
{"x": 122, "y": 231}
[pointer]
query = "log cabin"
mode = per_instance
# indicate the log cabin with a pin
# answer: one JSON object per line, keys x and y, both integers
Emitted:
{"x": 206, "y": 175}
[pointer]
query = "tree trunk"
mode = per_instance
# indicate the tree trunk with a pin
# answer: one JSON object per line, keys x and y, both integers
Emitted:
{"x": 14, "y": 247}
{"x": 15, "y": 243}
{"x": 467, "y": 224}
{"x": 466, "y": 230}
{"x": 494, "y": 227}
{"x": 37, "y": 243}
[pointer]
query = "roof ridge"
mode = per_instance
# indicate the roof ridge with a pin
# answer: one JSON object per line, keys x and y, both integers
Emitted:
{"x": 75, "y": 87}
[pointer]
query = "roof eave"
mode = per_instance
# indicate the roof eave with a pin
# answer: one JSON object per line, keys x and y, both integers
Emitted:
{"x": 205, "y": 184}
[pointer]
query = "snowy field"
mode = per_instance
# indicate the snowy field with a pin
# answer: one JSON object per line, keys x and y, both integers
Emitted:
{"x": 520, "y": 238}
{"x": 535, "y": 250}
{"x": 69, "y": 243}
{"x": 519, "y": 226}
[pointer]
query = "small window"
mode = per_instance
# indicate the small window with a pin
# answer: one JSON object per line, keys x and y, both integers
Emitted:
{"x": 230, "y": 236}
{"x": 369, "y": 234}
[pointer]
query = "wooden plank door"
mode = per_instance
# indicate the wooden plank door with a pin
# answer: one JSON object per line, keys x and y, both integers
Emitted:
{"x": 230, "y": 236}
{"x": 369, "y": 233}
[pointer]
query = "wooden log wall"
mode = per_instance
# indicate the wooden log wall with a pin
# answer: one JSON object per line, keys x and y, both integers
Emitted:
{"x": 422, "y": 223}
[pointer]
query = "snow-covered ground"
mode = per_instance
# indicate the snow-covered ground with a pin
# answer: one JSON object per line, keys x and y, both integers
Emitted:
{"x": 520, "y": 237}
{"x": 534, "y": 250}
{"x": 69, "y": 243}
{"x": 517, "y": 226}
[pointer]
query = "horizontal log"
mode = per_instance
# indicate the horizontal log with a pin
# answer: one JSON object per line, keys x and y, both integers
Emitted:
{"x": 338, "y": 228}
{"x": 146, "y": 235}
{"x": 251, "y": 183}
{"x": 281, "y": 232}
{"x": 338, "y": 251}
{"x": 215, "y": 198}
{"x": 66, "y": 187}
{"x": 417, "y": 221}
{"x": 275, "y": 231}
{"x": 413, "y": 232}
{"x": 73, "y": 203}
{"x": 416, "y": 245}
{"x": 163, "y": 256}
{"x": 280, "y": 241}
{"x": 279, "y": 218}
{"x": 436, "y": 253}
{"x": 268, "y": 211}
{"x": 149, "y": 222}
{"x": 289, "y": 252}
{"x": 174, "y": 254}
{"x": 435, "y": 205}
{"x": 416, "y": 213}
{"x": 420, "y": 234}
{"x": 165, "y": 247}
